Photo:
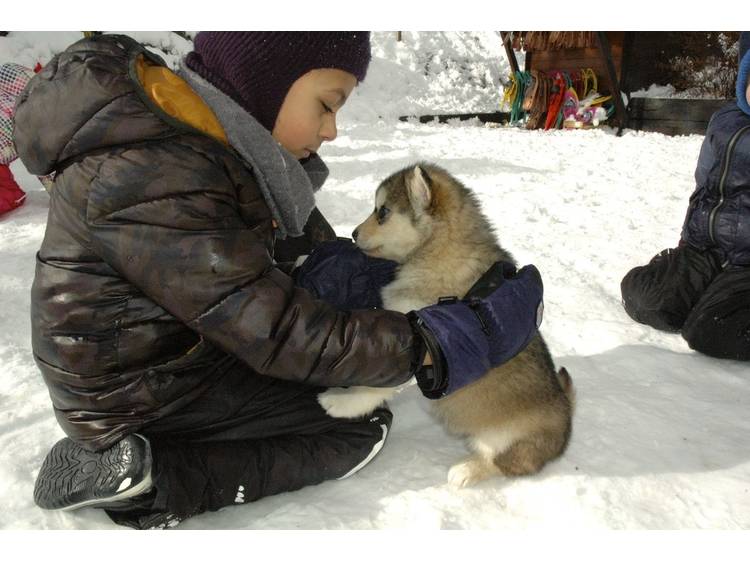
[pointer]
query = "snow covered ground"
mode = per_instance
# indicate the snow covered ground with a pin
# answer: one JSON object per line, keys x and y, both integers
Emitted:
{"x": 661, "y": 436}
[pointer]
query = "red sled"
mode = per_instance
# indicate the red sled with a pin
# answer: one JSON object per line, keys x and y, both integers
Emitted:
{"x": 11, "y": 195}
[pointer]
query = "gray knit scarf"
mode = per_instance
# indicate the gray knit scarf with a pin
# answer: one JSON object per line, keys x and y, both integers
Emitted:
{"x": 287, "y": 186}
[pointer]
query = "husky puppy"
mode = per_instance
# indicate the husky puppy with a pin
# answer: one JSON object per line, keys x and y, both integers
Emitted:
{"x": 515, "y": 418}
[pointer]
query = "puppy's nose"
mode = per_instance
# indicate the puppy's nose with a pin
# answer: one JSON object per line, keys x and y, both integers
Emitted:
{"x": 355, "y": 234}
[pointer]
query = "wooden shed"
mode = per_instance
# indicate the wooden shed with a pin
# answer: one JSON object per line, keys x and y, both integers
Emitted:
{"x": 632, "y": 61}
{"x": 547, "y": 51}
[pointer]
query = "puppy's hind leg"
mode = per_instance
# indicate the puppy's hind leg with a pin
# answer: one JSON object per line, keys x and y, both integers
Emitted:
{"x": 472, "y": 470}
{"x": 529, "y": 455}
{"x": 487, "y": 445}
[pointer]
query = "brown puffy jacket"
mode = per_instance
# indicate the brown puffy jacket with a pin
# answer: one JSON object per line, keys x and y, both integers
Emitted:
{"x": 156, "y": 273}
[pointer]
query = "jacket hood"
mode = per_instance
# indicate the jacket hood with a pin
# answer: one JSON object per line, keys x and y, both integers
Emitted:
{"x": 76, "y": 104}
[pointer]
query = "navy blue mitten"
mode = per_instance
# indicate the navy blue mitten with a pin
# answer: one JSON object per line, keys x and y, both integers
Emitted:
{"x": 339, "y": 273}
{"x": 490, "y": 325}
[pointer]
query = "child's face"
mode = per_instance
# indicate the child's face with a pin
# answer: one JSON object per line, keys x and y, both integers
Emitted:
{"x": 307, "y": 117}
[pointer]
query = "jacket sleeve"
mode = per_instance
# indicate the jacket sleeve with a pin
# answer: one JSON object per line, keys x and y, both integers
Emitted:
{"x": 181, "y": 239}
{"x": 695, "y": 224}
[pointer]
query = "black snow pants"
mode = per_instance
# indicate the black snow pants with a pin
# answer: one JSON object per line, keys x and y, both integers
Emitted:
{"x": 246, "y": 438}
{"x": 250, "y": 436}
{"x": 686, "y": 290}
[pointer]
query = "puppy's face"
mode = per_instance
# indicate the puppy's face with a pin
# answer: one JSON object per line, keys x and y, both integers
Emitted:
{"x": 400, "y": 222}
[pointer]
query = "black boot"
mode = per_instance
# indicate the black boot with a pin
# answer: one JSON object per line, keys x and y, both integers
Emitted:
{"x": 72, "y": 477}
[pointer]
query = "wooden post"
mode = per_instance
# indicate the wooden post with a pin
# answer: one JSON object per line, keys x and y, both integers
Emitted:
{"x": 505, "y": 36}
{"x": 398, "y": 36}
{"x": 527, "y": 61}
{"x": 606, "y": 53}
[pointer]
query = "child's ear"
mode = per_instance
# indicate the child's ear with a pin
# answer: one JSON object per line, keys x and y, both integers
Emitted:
{"x": 418, "y": 186}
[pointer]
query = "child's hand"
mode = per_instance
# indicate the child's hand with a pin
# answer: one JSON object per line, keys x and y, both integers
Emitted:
{"x": 495, "y": 321}
{"x": 341, "y": 274}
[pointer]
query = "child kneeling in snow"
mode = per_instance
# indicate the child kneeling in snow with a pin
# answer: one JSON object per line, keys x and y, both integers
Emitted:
{"x": 183, "y": 359}
{"x": 702, "y": 287}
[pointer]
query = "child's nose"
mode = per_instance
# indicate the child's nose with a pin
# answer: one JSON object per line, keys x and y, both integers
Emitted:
{"x": 328, "y": 130}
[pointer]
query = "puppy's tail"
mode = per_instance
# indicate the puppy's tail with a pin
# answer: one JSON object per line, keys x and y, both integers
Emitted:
{"x": 566, "y": 383}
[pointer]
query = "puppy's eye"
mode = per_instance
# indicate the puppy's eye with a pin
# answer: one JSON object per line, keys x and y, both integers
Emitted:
{"x": 383, "y": 213}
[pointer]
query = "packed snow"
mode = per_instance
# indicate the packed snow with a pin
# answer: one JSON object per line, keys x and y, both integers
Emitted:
{"x": 661, "y": 436}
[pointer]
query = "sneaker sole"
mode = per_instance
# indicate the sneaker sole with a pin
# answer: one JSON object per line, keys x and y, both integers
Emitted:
{"x": 69, "y": 469}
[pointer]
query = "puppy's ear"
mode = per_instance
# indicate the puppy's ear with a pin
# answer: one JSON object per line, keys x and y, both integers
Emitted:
{"x": 419, "y": 187}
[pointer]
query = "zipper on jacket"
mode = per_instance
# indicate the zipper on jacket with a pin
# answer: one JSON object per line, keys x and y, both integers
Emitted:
{"x": 722, "y": 181}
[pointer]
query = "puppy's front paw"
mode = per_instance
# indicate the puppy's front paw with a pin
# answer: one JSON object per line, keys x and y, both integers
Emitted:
{"x": 348, "y": 402}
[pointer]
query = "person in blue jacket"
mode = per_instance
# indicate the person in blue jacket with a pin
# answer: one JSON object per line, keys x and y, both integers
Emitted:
{"x": 701, "y": 288}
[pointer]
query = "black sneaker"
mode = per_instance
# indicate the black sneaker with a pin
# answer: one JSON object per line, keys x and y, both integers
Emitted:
{"x": 145, "y": 520}
{"x": 72, "y": 477}
{"x": 158, "y": 522}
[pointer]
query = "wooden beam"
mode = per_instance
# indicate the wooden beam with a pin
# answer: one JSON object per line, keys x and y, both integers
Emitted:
{"x": 496, "y": 117}
{"x": 625, "y": 61}
{"x": 527, "y": 61}
{"x": 606, "y": 52}
{"x": 507, "y": 43}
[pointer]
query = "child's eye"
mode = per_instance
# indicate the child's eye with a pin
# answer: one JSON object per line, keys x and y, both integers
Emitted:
{"x": 327, "y": 109}
{"x": 383, "y": 214}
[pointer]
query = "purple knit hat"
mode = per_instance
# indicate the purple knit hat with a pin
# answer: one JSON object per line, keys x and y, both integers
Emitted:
{"x": 257, "y": 68}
